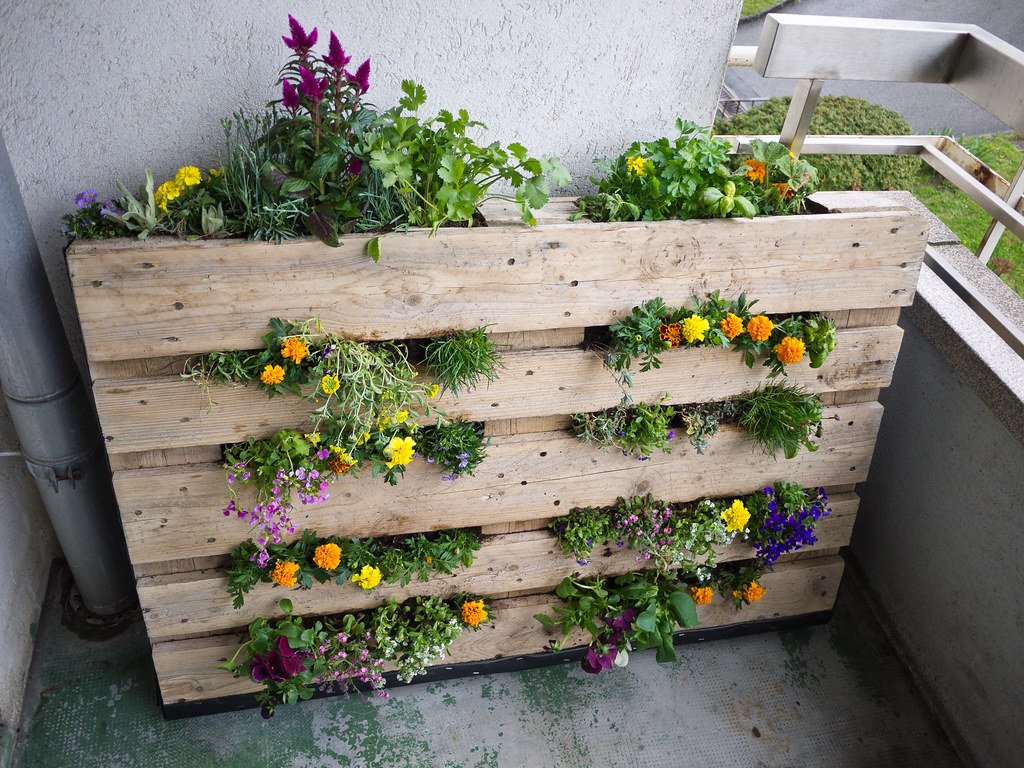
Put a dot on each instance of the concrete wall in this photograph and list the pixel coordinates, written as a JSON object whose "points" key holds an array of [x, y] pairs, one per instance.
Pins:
{"points": [[95, 92], [939, 535]]}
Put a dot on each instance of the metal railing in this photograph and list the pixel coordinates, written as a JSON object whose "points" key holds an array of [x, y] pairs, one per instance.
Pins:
{"points": [[985, 69]]}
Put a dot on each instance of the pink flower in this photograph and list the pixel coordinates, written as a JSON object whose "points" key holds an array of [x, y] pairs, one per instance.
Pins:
{"points": [[336, 58], [361, 79], [299, 42], [289, 96]]}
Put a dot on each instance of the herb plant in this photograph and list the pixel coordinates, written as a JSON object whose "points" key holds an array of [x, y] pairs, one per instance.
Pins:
{"points": [[778, 416], [462, 360], [637, 430], [440, 172], [702, 421], [779, 180]]}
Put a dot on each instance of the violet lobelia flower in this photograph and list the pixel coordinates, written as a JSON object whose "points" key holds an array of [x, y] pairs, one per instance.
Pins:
{"points": [[299, 42], [336, 58], [289, 96], [361, 79], [312, 88], [87, 197]]}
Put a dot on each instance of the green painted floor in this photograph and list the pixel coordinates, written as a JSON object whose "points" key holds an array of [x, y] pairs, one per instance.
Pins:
{"points": [[832, 696]]}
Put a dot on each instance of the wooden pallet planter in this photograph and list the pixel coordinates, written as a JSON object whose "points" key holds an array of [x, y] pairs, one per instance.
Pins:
{"points": [[537, 289]]}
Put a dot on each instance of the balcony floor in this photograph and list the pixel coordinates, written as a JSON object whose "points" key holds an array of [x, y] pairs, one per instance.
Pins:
{"points": [[832, 695]]}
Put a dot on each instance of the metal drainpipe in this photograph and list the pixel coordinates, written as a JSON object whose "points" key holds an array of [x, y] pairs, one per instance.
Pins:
{"points": [[53, 414]]}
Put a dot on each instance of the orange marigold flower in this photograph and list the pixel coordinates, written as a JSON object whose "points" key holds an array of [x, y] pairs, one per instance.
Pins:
{"points": [[760, 328], [339, 465], [784, 191], [272, 374], [701, 595], [672, 333], [751, 592], [731, 325], [295, 350], [327, 556], [284, 573], [790, 350], [757, 171], [473, 613]]}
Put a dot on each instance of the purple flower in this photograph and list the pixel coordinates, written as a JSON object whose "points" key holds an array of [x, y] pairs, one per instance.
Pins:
{"points": [[289, 96], [310, 86], [361, 78], [85, 198], [277, 665], [322, 454], [463, 460], [356, 166], [299, 42], [624, 620], [336, 58], [593, 662]]}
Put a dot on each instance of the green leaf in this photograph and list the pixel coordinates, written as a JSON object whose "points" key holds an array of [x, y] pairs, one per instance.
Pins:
{"points": [[544, 619], [415, 95], [565, 589], [518, 151], [684, 609], [323, 224], [373, 248], [285, 605], [293, 186], [647, 621], [666, 652]]}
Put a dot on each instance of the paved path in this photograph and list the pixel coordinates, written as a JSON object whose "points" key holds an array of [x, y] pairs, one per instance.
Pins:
{"points": [[928, 108]]}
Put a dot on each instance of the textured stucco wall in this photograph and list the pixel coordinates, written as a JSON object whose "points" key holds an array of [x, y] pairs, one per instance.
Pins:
{"points": [[939, 534], [95, 92]]}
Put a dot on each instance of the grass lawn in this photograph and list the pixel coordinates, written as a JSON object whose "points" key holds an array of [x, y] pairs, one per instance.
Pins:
{"points": [[1003, 153], [750, 7]]}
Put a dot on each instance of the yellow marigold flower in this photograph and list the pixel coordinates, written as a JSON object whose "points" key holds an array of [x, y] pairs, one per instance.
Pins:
{"points": [[330, 384], [731, 325], [327, 556], [363, 438], [760, 328], [637, 165], [736, 516], [672, 334], [401, 416], [790, 350], [473, 613], [294, 349], [284, 573], [188, 176], [433, 390], [400, 451], [702, 595], [429, 560], [272, 374], [368, 577], [166, 192], [757, 171], [751, 592], [694, 328], [313, 437]]}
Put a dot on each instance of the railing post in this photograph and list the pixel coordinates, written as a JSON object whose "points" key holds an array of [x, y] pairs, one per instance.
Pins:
{"points": [[801, 110], [995, 229]]}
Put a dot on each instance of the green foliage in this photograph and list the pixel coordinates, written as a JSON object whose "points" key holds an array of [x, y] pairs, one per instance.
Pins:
{"points": [[442, 175], [457, 447], [399, 560], [779, 180], [462, 360], [777, 416], [252, 206], [732, 580], [636, 430], [688, 177], [703, 421], [140, 214], [838, 115], [92, 219], [649, 605]]}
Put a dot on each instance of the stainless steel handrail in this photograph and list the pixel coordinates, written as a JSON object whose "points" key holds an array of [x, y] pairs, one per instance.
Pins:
{"points": [[989, 71]]}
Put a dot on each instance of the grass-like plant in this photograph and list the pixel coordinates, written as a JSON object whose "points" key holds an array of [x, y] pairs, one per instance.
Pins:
{"points": [[457, 446], [462, 360], [778, 416]]}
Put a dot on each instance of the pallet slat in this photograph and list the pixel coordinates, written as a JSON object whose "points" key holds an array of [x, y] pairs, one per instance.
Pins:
{"points": [[182, 604], [186, 669], [173, 512], [191, 297], [149, 414]]}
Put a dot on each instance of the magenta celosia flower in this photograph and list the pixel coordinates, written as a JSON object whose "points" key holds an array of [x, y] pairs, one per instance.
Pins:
{"points": [[355, 167], [310, 86], [299, 42], [289, 96], [361, 78], [336, 58]]}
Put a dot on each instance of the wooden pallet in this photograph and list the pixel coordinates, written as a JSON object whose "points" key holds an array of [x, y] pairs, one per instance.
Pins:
{"points": [[537, 289]]}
